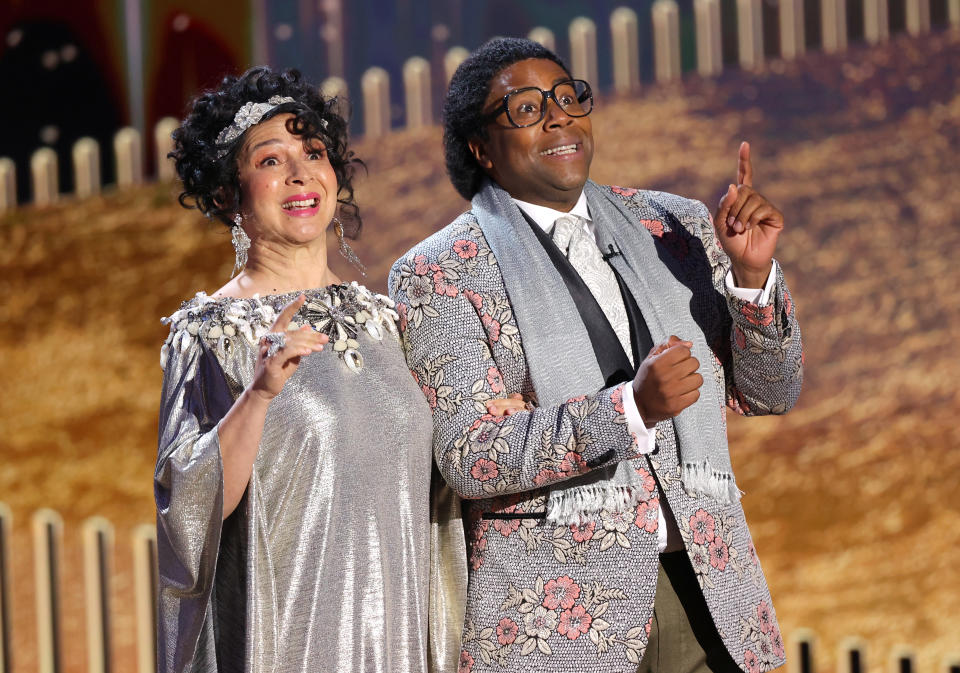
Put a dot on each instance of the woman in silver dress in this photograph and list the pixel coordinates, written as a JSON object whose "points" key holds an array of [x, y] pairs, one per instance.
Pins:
{"points": [[293, 473]]}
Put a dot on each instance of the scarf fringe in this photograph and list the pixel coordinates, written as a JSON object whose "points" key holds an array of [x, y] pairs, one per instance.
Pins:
{"points": [[700, 479], [573, 506]]}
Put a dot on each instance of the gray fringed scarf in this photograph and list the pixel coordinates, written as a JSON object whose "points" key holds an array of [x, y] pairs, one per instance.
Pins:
{"points": [[555, 334]]}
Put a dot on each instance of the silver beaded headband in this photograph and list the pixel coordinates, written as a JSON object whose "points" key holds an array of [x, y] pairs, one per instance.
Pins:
{"points": [[249, 115]]}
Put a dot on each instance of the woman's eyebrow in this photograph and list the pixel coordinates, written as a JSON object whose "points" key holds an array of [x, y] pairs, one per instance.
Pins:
{"points": [[269, 141]]}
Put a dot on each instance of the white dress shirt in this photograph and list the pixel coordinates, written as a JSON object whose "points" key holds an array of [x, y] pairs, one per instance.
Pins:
{"points": [[646, 437]]}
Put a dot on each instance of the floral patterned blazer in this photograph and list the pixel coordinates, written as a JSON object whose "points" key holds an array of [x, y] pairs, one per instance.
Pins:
{"points": [[542, 597]]}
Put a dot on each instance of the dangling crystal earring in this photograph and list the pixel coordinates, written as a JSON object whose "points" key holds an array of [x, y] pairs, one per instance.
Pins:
{"points": [[241, 243], [345, 249]]}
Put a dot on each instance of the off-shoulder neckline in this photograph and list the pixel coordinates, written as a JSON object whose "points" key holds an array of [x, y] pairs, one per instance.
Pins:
{"points": [[292, 294], [342, 311]]}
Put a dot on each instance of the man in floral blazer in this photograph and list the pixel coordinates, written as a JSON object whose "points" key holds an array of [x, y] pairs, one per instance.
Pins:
{"points": [[603, 524]]}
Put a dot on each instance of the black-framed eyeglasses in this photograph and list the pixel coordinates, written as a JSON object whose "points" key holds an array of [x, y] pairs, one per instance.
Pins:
{"points": [[527, 106]]}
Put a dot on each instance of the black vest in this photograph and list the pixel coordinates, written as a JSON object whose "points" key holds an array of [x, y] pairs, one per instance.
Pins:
{"points": [[614, 363]]}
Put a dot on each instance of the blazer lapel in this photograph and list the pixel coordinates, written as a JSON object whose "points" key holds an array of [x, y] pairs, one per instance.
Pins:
{"points": [[556, 343]]}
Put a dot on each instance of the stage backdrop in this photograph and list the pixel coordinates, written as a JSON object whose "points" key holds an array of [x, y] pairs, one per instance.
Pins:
{"points": [[851, 497]]}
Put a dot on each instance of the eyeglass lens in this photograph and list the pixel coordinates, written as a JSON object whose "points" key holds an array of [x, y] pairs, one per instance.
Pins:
{"points": [[526, 106]]}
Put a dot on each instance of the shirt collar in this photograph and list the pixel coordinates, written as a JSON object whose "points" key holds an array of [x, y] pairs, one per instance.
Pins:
{"points": [[545, 217]]}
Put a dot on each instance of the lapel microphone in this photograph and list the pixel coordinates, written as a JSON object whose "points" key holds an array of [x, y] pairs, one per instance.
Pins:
{"points": [[614, 251]]}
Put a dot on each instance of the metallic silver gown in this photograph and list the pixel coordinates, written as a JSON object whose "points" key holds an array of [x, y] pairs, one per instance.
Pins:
{"points": [[324, 565]]}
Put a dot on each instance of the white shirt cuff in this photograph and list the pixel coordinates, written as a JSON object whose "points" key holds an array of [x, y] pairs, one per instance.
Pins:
{"points": [[646, 437], [758, 296]]}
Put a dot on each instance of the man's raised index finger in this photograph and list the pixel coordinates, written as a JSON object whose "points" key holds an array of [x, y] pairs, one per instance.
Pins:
{"points": [[744, 166]]}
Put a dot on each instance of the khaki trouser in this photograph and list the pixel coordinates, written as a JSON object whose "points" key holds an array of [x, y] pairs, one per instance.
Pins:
{"points": [[683, 638]]}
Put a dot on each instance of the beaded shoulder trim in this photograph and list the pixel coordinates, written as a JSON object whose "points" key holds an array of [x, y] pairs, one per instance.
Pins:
{"points": [[341, 312]]}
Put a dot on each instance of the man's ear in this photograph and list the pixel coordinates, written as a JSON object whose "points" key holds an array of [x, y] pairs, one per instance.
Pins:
{"points": [[479, 151]]}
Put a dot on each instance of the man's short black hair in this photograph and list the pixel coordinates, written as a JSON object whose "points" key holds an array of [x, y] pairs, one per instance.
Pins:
{"points": [[463, 106]]}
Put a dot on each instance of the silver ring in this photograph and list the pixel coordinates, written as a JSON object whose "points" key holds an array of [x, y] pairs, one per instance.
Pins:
{"points": [[277, 340]]}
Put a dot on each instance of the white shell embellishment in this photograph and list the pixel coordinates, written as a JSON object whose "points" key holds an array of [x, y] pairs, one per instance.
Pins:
{"points": [[342, 312], [373, 329], [353, 359]]}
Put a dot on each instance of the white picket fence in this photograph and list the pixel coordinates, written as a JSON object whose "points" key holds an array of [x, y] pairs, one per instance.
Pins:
{"points": [[853, 655], [583, 35], [97, 536], [98, 540]]}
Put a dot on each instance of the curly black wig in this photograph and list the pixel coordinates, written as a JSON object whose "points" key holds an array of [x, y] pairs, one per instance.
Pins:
{"points": [[210, 176], [463, 106]]}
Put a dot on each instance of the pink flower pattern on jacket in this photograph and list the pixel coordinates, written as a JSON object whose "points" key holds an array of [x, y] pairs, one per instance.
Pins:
{"points": [[495, 380], [507, 631], [466, 662], [574, 622], [758, 315], [655, 227], [465, 249], [648, 515], [561, 592]]}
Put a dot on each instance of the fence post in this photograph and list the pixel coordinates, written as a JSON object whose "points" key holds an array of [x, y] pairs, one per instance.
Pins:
{"points": [[544, 36], [336, 87], [8, 184], [792, 29], [918, 17], [800, 651], [128, 148], [376, 102], [709, 46], [833, 20], [47, 540], [163, 142], [145, 583], [97, 535], [583, 49], [626, 50], [416, 89], [333, 34], [750, 33], [876, 26], [853, 655], [43, 171], [666, 40], [86, 167], [451, 61], [902, 659], [951, 663], [6, 524]]}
